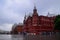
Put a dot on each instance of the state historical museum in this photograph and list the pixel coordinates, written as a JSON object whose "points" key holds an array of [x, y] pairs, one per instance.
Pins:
{"points": [[36, 24]]}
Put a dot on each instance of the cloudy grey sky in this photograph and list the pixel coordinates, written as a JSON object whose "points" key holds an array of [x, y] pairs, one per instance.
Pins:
{"points": [[13, 11]]}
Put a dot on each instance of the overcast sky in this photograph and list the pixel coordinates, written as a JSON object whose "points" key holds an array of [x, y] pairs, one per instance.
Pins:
{"points": [[13, 11]]}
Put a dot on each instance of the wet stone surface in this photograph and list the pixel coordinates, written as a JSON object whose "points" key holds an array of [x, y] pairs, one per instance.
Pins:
{"points": [[11, 37], [29, 37]]}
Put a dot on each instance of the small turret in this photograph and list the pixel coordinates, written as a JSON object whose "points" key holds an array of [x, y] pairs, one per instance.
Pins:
{"points": [[25, 18]]}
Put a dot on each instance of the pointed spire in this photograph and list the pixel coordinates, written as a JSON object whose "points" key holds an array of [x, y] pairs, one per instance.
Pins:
{"points": [[34, 6], [48, 13], [25, 17], [34, 10]]}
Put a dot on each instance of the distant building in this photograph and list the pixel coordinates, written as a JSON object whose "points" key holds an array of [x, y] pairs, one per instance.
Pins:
{"points": [[17, 29], [35, 24]]}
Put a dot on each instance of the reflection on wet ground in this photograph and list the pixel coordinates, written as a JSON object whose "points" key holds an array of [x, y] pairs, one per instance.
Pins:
{"points": [[28, 37], [17, 37], [11, 37]]}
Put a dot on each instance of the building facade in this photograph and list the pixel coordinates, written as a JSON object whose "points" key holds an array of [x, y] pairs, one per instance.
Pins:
{"points": [[37, 24]]}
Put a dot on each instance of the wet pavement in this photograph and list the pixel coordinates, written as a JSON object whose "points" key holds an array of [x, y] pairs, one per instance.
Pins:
{"points": [[11, 37], [29, 37]]}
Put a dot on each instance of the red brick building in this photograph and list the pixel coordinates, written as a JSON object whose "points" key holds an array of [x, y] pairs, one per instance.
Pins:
{"points": [[37, 24]]}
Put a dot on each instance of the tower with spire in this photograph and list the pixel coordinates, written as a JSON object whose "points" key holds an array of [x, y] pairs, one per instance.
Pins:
{"points": [[35, 16], [35, 11]]}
